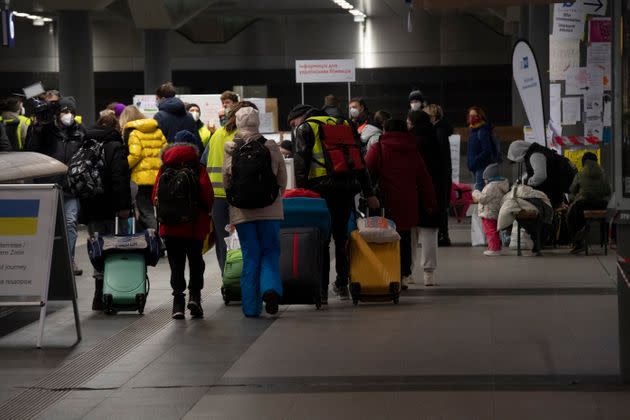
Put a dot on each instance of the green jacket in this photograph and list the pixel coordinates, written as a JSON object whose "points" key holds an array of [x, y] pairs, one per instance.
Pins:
{"points": [[590, 184]]}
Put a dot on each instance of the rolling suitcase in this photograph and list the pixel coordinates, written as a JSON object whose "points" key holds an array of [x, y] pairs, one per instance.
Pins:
{"points": [[301, 266], [306, 212], [231, 288], [125, 281], [374, 270]]}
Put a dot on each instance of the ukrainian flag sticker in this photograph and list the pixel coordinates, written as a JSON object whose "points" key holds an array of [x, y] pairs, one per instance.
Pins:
{"points": [[18, 217]]}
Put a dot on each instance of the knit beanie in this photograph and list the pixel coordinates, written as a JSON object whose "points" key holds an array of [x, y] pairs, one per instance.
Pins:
{"points": [[416, 95], [185, 136], [118, 109], [298, 111], [68, 103], [492, 171], [247, 121]]}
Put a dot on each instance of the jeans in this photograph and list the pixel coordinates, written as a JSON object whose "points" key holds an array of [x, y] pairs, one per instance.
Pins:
{"points": [[405, 253], [260, 244], [146, 214], [340, 205], [221, 218], [71, 208], [492, 235], [479, 182], [178, 250]]}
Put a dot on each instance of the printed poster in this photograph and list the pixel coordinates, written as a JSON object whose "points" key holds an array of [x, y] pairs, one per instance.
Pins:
{"points": [[555, 102], [599, 55], [568, 20], [571, 110], [600, 30], [564, 53]]}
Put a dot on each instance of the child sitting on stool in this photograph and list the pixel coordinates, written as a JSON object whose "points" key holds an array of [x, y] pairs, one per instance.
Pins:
{"points": [[489, 205]]}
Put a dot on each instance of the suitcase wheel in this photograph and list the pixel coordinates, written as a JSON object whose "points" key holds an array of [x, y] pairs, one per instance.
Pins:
{"points": [[109, 304], [396, 299], [226, 297], [141, 300]]}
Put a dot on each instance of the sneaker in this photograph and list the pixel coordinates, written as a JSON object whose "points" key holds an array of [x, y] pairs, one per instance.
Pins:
{"points": [[179, 303], [444, 241], [410, 279], [429, 278], [194, 305], [77, 271], [341, 292], [271, 300], [489, 253]]}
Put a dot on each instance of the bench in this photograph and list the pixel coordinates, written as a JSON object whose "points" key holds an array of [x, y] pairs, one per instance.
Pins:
{"points": [[525, 215], [600, 216]]}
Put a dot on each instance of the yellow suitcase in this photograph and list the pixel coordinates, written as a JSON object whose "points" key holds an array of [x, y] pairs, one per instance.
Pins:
{"points": [[374, 270]]}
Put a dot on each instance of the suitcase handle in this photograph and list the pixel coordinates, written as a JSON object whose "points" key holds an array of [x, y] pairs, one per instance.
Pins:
{"points": [[133, 223]]}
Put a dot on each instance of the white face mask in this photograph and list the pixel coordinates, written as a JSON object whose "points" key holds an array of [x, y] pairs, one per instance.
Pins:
{"points": [[195, 115], [354, 112], [67, 119], [415, 105]]}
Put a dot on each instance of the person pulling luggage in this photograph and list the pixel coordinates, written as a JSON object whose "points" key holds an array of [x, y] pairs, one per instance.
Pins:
{"points": [[254, 175], [183, 197]]}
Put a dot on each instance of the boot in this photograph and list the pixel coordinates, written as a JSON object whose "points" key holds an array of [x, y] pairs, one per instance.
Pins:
{"points": [[179, 305], [97, 302], [271, 299], [194, 304]]}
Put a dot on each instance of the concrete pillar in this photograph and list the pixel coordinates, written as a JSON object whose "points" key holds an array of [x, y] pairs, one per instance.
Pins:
{"points": [[157, 60], [76, 61]]}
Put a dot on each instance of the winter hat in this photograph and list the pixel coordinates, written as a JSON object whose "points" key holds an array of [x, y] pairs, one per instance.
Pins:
{"points": [[185, 136], [298, 111], [492, 171], [517, 150], [68, 103], [416, 95], [247, 121], [589, 156], [118, 109]]}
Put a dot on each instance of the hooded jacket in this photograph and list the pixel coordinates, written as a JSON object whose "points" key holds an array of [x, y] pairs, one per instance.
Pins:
{"points": [[145, 141], [185, 153], [247, 123], [404, 181], [117, 194], [590, 183], [490, 198], [172, 117], [370, 136]]}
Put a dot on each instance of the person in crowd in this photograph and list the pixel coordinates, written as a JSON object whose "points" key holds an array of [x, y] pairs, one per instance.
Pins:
{"points": [[258, 229], [229, 100], [338, 192], [359, 114], [331, 106], [213, 160], [419, 123], [99, 212], [61, 139], [52, 96], [116, 107], [204, 132], [185, 240], [374, 129], [545, 170], [145, 141], [416, 100], [443, 131], [172, 116], [490, 200], [590, 190], [286, 148], [481, 147], [5, 144], [15, 123], [404, 184]]}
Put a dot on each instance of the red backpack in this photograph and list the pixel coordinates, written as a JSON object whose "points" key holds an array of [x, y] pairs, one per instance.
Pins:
{"points": [[342, 152]]}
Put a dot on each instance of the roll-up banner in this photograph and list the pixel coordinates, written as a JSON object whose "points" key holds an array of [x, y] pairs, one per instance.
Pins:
{"points": [[527, 79]]}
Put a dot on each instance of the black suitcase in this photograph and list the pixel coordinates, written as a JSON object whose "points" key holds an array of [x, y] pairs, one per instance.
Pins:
{"points": [[301, 266]]}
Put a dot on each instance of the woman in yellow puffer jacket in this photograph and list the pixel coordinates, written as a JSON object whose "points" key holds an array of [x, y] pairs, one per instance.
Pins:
{"points": [[145, 141]]}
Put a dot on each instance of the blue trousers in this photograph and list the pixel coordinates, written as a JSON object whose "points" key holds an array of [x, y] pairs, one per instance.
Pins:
{"points": [[71, 208], [260, 244]]}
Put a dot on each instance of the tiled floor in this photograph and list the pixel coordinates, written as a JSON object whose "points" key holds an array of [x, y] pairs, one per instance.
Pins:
{"points": [[502, 338]]}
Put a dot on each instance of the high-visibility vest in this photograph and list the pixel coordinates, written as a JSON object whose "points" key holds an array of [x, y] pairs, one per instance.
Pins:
{"points": [[215, 159], [205, 135], [18, 127], [318, 163]]}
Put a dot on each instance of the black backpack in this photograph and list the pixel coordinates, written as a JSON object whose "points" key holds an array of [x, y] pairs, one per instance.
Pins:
{"points": [[86, 169], [253, 184], [177, 198]]}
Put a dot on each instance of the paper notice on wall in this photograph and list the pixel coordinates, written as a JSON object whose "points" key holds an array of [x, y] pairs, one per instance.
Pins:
{"points": [[568, 20], [600, 30], [599, 55], [594, 7], [260, 103], [146, 104], [607, 112], [593, 127], [555, 102], [564, 53], [577, 81], [528, 134], [593, 104], [266, 122], [571, 109], [455, 140]]}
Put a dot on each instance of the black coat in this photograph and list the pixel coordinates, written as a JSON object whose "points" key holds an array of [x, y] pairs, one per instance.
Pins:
{"points": [[5, 144], [431, 153], [116, 179], [173, 117], [58, 142], [443, 131]]}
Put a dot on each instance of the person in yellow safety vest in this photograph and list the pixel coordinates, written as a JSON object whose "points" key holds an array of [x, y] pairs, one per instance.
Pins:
{"points": [[339, 193], [214, 163], [15, 124], [205, 132]]}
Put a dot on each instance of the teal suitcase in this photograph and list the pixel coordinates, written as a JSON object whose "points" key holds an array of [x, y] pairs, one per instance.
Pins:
{"points": [[125, 284], [231, 289]]}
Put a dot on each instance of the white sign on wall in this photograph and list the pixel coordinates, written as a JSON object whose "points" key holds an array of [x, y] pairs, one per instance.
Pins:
{"points": [[325, 71], [527, 79], [455, 141], [568, 20]]}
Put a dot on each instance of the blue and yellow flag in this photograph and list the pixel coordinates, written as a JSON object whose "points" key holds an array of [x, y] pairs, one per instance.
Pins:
{"points": [[18, 217]]}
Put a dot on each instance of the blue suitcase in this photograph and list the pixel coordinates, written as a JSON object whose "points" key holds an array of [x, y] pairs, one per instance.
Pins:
{"points": [[302, 212]]}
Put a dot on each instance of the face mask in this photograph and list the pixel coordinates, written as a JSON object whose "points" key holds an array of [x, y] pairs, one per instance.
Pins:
{"points": [[67, 119], [195, 115], [354, 112], [415, 106], [227, 111], [474, 120]]}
